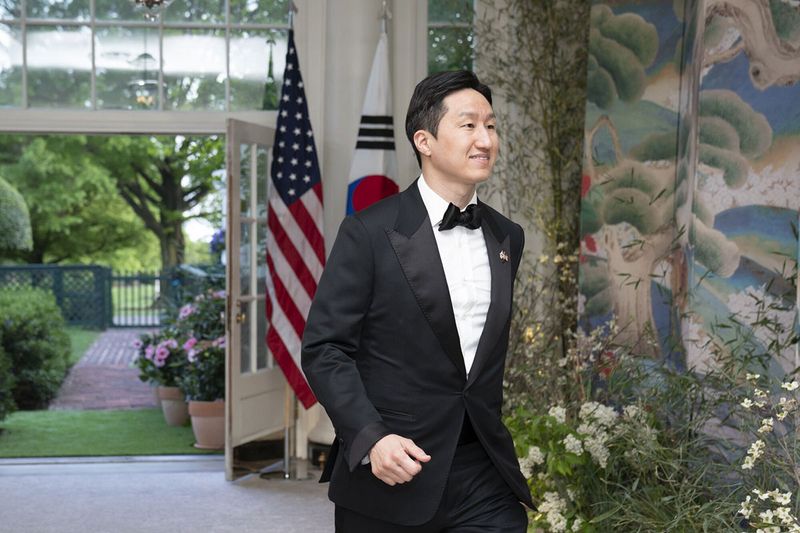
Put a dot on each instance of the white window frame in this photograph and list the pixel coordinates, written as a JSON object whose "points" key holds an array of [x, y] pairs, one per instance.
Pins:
{"points": [[309, 25]]}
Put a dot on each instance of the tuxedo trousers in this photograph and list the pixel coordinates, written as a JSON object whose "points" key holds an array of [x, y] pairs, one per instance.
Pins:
{"points": [[476, 499]]}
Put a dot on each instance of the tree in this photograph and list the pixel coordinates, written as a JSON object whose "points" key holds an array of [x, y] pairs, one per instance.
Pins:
{"points": [[75, 211], [161, 179], [634, 207], [15, 224]]}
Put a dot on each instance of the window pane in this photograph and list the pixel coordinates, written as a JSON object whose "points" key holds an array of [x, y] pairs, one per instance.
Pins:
{"points": [[255, 84], [450, 11], [10, 9], [59, 9], [59, 66], [449, 49], [118, 10], [194, 69], [10, 65], [127, 68], [195, 11], [260, 11]]}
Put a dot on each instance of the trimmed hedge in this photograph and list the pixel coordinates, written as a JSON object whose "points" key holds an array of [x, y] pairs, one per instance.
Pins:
{"points": [[34, 338], [6, 385]]}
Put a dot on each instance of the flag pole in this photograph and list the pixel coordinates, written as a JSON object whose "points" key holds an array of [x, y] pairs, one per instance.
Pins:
{"points": [[292, 12], [386, 15]]}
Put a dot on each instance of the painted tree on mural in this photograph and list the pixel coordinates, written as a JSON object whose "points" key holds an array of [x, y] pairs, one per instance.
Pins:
{"points": [[620, 48], [767, 31], [633, 204]]}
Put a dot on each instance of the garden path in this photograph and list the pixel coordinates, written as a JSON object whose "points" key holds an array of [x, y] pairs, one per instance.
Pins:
{"points": [[104, 377]]}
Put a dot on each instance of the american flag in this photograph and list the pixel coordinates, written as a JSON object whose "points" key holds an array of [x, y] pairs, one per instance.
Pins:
{"points": [[295, 242]]}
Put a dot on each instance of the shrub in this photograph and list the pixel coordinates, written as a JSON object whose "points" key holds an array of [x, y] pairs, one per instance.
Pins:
{"points": [[161, 358], [15, 223], [35, 340], [6, 385]]}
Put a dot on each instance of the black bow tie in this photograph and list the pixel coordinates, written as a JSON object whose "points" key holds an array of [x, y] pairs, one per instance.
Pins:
{"points": [[470, 218]]}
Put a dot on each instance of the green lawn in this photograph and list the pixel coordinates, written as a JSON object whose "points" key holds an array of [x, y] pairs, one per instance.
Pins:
{"points": [[81, 339], [93, 433]]}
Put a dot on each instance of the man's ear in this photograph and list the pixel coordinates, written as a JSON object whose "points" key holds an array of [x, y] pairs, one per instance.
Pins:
{"points": [[421, 141]]}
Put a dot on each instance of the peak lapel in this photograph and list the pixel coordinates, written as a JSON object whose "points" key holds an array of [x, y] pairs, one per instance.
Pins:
{"points": [[415, 246], [498, 249]]}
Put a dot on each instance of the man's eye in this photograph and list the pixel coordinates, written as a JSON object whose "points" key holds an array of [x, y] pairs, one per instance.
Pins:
{"points": [[469, 125], [492, 126]]}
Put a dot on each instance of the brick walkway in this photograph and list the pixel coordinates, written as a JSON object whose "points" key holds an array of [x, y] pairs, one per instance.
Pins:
{"points": [[104, 377]]}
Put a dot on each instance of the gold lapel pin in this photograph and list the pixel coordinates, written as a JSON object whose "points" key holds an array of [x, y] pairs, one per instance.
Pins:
{"points": [[503, 256]]}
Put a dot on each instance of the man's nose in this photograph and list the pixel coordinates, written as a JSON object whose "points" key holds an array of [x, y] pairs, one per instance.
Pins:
{"points": [[484, 138]]}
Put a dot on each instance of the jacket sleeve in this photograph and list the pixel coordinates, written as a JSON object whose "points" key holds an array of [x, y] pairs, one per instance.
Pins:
{"points": [[332, 338]]}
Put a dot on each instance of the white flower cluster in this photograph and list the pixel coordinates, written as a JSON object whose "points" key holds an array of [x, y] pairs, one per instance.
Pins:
{"points": [[573, 445], [756, 450], [596, 421], [559, 413], [777, 517], [554, 507], [534, 457]]}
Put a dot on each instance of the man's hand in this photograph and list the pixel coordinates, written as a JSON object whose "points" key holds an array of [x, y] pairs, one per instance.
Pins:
{"points": [[396, 459]]}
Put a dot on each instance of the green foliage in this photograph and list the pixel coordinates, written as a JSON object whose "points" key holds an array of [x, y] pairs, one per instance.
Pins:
{"points": [[755, 133], [600, 85], [786, 19], [15, 224], [75, 211], [621, 64], [161, 179], [7, 404], [35, 340], [734, 167], [621, 47], [713, 249], [630, 31], [634, 207], [656, 147], [717, 132]]}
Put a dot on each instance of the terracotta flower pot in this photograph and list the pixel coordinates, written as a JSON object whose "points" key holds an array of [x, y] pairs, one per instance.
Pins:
{"points": [[173, 405], [208, 424]]}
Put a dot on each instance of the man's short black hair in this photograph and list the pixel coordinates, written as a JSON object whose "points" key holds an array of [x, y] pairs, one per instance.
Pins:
{"points": [[427, 108]]}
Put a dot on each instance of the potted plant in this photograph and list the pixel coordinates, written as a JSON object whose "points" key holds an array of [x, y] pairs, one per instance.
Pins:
{"points": [[203, 376], [203, 383], [161, 361]]}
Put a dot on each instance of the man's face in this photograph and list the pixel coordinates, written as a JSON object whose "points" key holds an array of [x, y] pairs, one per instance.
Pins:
{"points": [[466, 145]]}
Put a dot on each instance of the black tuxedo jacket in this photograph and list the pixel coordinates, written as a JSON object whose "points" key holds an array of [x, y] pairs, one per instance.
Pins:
{"points": [[381, 352]]}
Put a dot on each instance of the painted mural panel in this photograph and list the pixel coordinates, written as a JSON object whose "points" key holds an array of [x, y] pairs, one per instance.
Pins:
{"points": [[748, 177], [692, 170]]}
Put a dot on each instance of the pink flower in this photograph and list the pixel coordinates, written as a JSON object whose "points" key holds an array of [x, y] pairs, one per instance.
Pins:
{"points": [[170, 343], [162, 353], [149, 352], [219, 294], [185, 311], [191, 356], [188, 345], [220, 341], [137, 344], [159, 362]]}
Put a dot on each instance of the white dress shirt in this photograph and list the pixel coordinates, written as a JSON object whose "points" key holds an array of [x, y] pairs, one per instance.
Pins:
{"points": [[466, 268]]}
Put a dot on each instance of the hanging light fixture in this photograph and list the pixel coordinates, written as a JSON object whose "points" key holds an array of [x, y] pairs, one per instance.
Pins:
{"points": [[152, 8]]}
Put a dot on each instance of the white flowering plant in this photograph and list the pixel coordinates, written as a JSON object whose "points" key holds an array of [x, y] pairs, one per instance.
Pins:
{"points": [[563, 456], [767, 417]]}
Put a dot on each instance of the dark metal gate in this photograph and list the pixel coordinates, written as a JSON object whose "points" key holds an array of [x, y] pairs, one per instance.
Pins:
{"points": [[81, 291]]}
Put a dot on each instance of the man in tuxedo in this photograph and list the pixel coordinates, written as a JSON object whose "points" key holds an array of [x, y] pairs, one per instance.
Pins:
{"points": [[406, 339]]}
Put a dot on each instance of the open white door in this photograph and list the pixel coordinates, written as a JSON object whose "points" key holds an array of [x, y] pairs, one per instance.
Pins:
{"points": [[256, 389]]}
